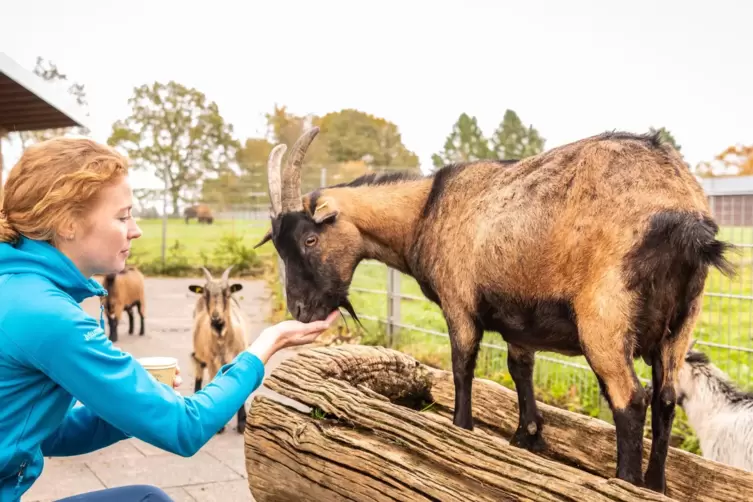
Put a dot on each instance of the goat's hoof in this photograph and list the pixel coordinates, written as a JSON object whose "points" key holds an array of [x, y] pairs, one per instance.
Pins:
{"points": [[531, 442], [240, 428], [655, 481]]}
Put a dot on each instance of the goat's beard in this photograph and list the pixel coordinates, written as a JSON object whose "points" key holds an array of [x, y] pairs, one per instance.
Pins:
{"points": [[345, 303]]}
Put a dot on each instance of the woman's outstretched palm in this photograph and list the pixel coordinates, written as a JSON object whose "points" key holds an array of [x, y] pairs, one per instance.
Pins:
{"points": [[293, 333]]}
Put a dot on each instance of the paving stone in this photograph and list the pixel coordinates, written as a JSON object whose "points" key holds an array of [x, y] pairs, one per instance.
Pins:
{"points": [[221, 492], [164, 471], [60, 480], [179, 494]]}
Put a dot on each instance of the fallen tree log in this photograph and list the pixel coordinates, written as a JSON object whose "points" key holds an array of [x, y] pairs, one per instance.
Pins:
{"points": [[367, 439]]}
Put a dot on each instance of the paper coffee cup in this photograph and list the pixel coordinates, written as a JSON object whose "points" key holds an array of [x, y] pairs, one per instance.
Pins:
{"points": [[163, 369]]}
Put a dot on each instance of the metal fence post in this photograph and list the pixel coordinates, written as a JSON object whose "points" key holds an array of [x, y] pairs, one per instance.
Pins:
{"points": [[393, 304]]}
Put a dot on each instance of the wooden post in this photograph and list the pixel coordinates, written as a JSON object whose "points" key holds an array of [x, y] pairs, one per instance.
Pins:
{"points": [[393, 305], [381, 429]]}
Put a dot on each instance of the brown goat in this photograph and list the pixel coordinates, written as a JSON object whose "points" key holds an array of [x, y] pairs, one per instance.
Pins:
{"points": [[219, 330], [599, 247], [201, 212], [125, 290]]}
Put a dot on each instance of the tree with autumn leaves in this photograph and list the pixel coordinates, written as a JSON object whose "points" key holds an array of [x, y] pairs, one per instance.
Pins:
{"points": [[180, 136]]}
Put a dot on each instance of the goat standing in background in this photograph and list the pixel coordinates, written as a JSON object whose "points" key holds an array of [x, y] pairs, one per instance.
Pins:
{"points": [[125, 290], [719, 412], [219, 330], [599, 247]]}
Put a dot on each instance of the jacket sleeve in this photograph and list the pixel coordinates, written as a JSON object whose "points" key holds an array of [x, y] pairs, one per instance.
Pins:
{"points": [[81, 432], [70, 347]]}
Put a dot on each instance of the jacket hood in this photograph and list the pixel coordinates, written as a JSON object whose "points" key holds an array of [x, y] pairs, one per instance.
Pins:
{"points": [[29, 256]]}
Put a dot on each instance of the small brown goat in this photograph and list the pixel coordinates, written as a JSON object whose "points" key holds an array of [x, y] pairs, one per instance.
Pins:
{"points": [[599, 247], [125, 290], [201, 212], [219, 330]]}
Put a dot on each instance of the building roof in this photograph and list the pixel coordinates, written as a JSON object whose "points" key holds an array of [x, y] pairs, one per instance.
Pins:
{"points": [[727, 185], [29, 103]]}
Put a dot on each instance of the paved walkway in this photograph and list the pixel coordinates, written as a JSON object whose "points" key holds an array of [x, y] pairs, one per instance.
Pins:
{"points": [[217, 471]]}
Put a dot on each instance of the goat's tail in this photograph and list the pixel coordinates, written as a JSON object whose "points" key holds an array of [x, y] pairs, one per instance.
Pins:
{"points": [[668, 270], [688, 240]]}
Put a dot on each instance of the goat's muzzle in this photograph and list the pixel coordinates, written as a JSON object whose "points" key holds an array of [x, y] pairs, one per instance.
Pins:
{"points": [[217, 323]]}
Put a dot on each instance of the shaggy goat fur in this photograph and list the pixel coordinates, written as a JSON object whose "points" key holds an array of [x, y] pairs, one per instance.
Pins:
{"points": [[599, 247], [219, 330], [125, 290], [719, 412]]}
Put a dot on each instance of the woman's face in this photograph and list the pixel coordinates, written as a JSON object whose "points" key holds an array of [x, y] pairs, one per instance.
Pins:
{"points": [[101, 244]]}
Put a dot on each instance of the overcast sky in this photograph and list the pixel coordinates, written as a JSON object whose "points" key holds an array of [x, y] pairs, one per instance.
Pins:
{"points": [[572, 69]]}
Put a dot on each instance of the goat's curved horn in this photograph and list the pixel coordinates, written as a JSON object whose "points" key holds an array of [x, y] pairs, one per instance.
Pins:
{"points": [[226, 273], [291, 176], [274, 181], [207, 274]]}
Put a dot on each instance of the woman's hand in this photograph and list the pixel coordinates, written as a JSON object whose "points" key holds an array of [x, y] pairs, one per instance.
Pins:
{"points": [[288, 334], [177, 381]]}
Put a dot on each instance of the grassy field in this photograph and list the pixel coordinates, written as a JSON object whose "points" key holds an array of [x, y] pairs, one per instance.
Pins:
{"points": [[196, 237], [189, 246]]}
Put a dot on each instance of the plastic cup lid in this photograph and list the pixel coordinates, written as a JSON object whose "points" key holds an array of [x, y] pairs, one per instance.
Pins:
{"points": [[158, 362]]}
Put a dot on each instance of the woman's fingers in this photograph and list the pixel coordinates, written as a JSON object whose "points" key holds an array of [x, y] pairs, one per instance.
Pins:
{"points": [[322, 325]]}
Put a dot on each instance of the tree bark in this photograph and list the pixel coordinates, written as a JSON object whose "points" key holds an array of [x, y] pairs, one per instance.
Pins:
{"points": [[376, 444]]}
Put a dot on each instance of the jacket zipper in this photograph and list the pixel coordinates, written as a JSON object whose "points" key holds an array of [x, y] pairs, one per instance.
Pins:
{"points": [[21, 473]]}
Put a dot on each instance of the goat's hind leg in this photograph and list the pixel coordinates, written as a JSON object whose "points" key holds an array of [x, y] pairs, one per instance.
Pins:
{"points": [[665, 365], [603, 326], [520, 362], [141, 309], [129, 311]]}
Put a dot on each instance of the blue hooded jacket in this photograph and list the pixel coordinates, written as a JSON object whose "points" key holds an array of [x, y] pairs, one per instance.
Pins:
{"points": [[52, 353]]}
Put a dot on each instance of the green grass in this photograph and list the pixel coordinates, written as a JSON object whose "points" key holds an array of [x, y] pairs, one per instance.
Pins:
{"points": [[196, 237], [189, 246]]}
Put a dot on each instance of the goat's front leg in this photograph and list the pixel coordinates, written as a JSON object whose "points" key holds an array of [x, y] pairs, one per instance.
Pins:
{"points": [[241, 426], [465, 338], [520, 362], [198, 371]]}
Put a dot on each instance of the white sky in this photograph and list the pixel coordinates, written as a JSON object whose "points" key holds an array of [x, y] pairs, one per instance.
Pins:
{"points": [[572, 69]]}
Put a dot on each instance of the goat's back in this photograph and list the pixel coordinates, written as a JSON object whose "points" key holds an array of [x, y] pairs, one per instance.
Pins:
{"points": [[546, 223]]}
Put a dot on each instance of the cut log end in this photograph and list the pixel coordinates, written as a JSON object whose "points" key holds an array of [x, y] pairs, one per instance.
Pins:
{"points": [[382, 430]]}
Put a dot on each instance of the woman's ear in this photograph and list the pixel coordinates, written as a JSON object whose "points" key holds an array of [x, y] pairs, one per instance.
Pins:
{"points": [[67, 230]]}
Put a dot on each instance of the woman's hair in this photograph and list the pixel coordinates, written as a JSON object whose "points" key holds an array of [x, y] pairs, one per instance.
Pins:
{"points": [[54, 183]]}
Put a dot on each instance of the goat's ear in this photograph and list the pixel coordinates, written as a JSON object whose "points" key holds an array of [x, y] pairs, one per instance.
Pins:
{"points": [[267, 237], [195, 289], [235, 287], [326, 211]]}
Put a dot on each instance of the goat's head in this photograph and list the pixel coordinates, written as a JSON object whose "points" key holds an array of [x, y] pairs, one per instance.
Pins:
{"points": [[215, 296], [319, 248], [697, 376]]}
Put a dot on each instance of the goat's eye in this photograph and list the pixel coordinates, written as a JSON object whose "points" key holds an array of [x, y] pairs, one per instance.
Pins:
{"points": [[311, 240]]}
